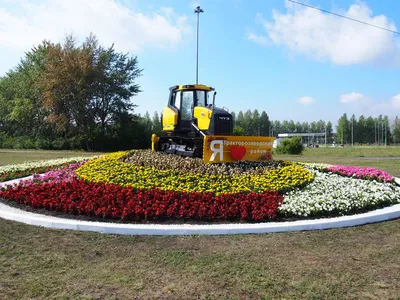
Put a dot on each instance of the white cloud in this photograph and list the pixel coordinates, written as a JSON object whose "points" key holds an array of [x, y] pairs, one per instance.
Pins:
{"points": [[112, 22], [352, 98], [306, 100], [359, 104], [326, 37], [395, 101], [259, 39]]}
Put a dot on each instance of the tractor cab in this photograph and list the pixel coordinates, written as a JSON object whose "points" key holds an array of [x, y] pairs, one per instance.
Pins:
{"points": [[186, 104]]}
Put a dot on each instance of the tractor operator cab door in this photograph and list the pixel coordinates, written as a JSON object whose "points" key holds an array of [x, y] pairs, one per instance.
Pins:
{"points": [[184, 102]]}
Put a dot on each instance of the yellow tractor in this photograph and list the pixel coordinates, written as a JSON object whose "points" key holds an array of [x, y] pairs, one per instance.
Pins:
{"points": [[193, 126]]}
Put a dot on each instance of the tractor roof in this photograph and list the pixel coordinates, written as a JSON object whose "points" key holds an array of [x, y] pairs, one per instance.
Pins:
{"points": [[191, 87]]}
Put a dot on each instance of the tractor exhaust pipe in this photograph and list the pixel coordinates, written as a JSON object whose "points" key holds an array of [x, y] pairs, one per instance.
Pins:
{"points": [[215, 93]]}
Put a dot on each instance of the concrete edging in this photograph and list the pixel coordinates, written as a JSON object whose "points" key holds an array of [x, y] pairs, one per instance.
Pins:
{"points": [[15, 214]]}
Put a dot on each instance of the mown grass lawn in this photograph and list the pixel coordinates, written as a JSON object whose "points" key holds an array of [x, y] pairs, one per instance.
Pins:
{"points": [[9, 156], [356, 151], [351, 263], [382, 158], [390, 165]]}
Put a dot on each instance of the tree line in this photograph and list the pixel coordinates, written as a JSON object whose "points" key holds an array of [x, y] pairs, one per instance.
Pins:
{"points": [[368, 130], [364, 130]]}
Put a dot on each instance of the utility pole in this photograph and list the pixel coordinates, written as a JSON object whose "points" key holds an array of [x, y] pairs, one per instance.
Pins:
{"points": [[197, 11]]}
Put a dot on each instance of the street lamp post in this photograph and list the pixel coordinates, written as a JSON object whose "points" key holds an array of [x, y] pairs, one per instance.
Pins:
{"points": [[197, 11]]}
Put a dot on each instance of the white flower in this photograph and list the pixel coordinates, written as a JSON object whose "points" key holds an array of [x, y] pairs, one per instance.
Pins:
{"points": [[40, 164], [330, 192]]}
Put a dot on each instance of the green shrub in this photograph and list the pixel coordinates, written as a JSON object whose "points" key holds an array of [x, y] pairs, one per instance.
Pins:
{"points": [[291, 146], [237, 130]]}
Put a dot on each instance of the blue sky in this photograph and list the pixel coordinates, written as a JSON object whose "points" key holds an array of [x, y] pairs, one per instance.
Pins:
{"points": [[293, 62]]}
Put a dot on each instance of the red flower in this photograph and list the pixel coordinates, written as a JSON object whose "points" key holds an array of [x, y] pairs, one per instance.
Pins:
{"points": [[113, 201]]}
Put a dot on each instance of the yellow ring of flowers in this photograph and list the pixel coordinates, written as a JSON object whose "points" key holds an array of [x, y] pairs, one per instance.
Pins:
{"points": [[110, 169]]}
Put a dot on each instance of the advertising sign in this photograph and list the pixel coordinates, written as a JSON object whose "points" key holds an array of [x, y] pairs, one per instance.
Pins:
{"points": [[219, 149]]}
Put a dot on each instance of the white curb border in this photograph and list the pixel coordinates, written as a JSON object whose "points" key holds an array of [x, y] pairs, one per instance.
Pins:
{"points": [[15, 214]]}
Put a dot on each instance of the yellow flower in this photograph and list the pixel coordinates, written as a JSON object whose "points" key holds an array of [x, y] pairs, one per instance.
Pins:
{"points": [[111, 169]]}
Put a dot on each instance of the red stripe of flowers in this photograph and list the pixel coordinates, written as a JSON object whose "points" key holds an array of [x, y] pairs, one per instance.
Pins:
{"points": [[113, 201]]}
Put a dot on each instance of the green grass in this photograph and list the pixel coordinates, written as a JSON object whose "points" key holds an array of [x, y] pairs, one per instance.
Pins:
{"points": [[356, 151], [387, 159], [351, 263], [19, 156], [359, 263], [390, 165]]}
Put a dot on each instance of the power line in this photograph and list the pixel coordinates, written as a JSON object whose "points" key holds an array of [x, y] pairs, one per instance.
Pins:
{"points": [[355, 20]]}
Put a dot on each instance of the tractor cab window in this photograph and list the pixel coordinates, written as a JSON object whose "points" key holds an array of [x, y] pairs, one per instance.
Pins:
{"points": [[176, 100], [187, 105], [201, 98]]}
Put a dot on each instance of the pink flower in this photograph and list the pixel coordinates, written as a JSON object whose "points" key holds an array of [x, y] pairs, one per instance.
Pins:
{"points": [[361, 173]]}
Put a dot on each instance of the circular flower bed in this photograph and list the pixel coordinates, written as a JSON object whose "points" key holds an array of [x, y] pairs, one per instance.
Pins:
{"points": [[142, 185]]}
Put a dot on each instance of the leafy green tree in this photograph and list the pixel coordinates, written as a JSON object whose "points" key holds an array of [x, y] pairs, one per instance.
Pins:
{"points": [[21, 106], [67, 90], [156, 126], [234, 117], [298, 127], [342, 129], [264, 124], [329, 132], [321, 126], [370, 128], [396, 130], [285, 127], [68, 96], [113, 82], [314, 127], [277, 128], [256, 123], [361, 132], [239, 118], [353, 129], [87, 89], [292, 126], [306, 127], [248, 123]]}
